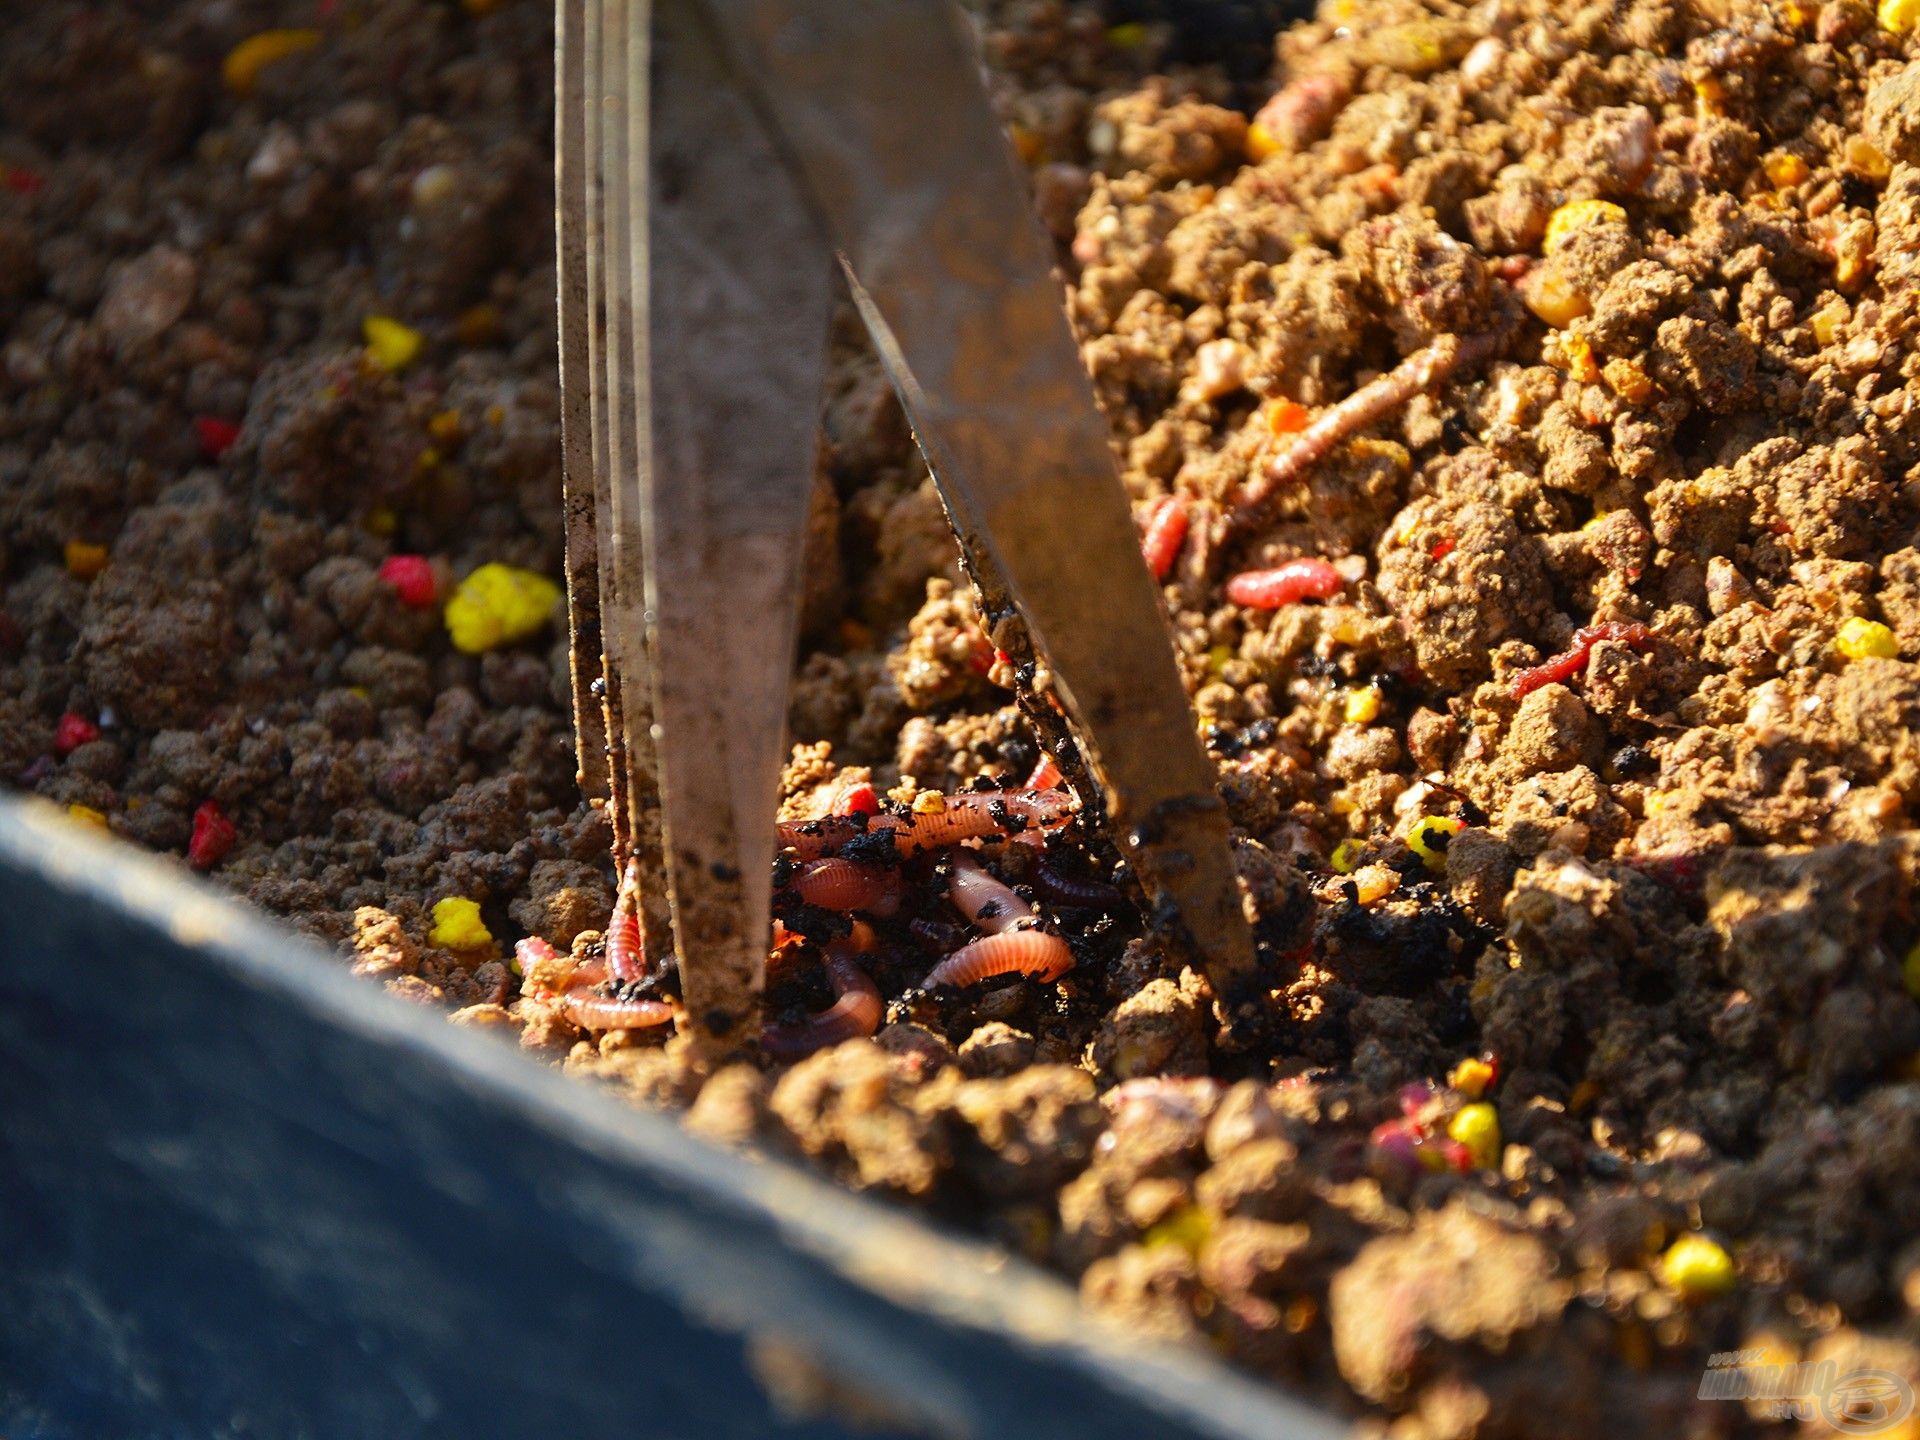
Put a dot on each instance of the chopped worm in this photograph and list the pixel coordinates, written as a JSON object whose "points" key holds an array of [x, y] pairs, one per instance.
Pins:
{"points": [[1573, 659], [1166, 532], [834, 884], [963, 817], [854, 1014], [1284, 584], [1029, 952], [1366, 406]]}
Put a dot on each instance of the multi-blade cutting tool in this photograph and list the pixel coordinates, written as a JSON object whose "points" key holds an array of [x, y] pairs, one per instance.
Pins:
{"points": [[722, 167]]}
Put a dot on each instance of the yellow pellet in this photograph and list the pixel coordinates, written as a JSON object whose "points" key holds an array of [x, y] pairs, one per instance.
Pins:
{"points": [[391, 345], [1346, 856], [1375, 882], [1575, 213], [87, 815], [1910, 972], [929, 802], [1827, 324], [457, 925], [1477, 1127], [1430, 837], [1363, 706], [1710, 97], [1786, 169], [1471, 1077], [1860, 638], [1188, 1227], [498, 604], [381, 521], [1898, 17], [84, 560], [1580, 362], [1261, 143], [242, 67], [1554, 297], [1697, 1269], [1128, 36]]}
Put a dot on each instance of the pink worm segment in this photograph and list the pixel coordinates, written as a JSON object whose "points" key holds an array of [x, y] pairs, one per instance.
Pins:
{"points": [[1283, 585], [1366, 406], [1029, 952], [1166, 532], [984, 900], [1011, 943], [848, 885], [965, 817], [1571, 661], [589, 1011], [626, 951], [854, 1014]]}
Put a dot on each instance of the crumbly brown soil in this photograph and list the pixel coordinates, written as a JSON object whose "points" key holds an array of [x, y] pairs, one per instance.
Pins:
{"points": [[1678, 913]]}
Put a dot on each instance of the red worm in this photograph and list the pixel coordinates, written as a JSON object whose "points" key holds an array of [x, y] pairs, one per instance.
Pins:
{"points": [[1080, 894], [848, 885], [1045, 776], [965, 817], [1295, 580], [1166, 532], [1573, 659], [1366, 406], [1029, 952], [626, 952], [854, 1014], [983, 899], [589, 1011], [600, 1012]]}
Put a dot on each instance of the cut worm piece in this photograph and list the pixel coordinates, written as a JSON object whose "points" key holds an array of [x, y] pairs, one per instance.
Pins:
{"points": [[1367, 406], [1285, 584]]}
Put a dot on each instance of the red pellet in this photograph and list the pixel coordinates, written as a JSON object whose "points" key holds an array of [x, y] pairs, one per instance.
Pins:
{"points": [[213, 837], [1442, 548], [216, 435], [859, 799], [72, 732], [1284, 584], [411, 577], [20, 180], [1166, 532], [1573, 659]]}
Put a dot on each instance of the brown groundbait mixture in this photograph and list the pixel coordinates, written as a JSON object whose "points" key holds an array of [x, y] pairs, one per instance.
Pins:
{"points": [[1677, 911]]}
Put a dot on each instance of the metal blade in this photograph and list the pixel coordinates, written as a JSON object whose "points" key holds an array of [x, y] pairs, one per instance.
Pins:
{"points": [[633, 763], [734, 282], [571, 164], [879, 104]]}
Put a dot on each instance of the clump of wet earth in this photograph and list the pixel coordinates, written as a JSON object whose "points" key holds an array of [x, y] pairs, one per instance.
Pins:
{"points": [[1569, 971]]}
